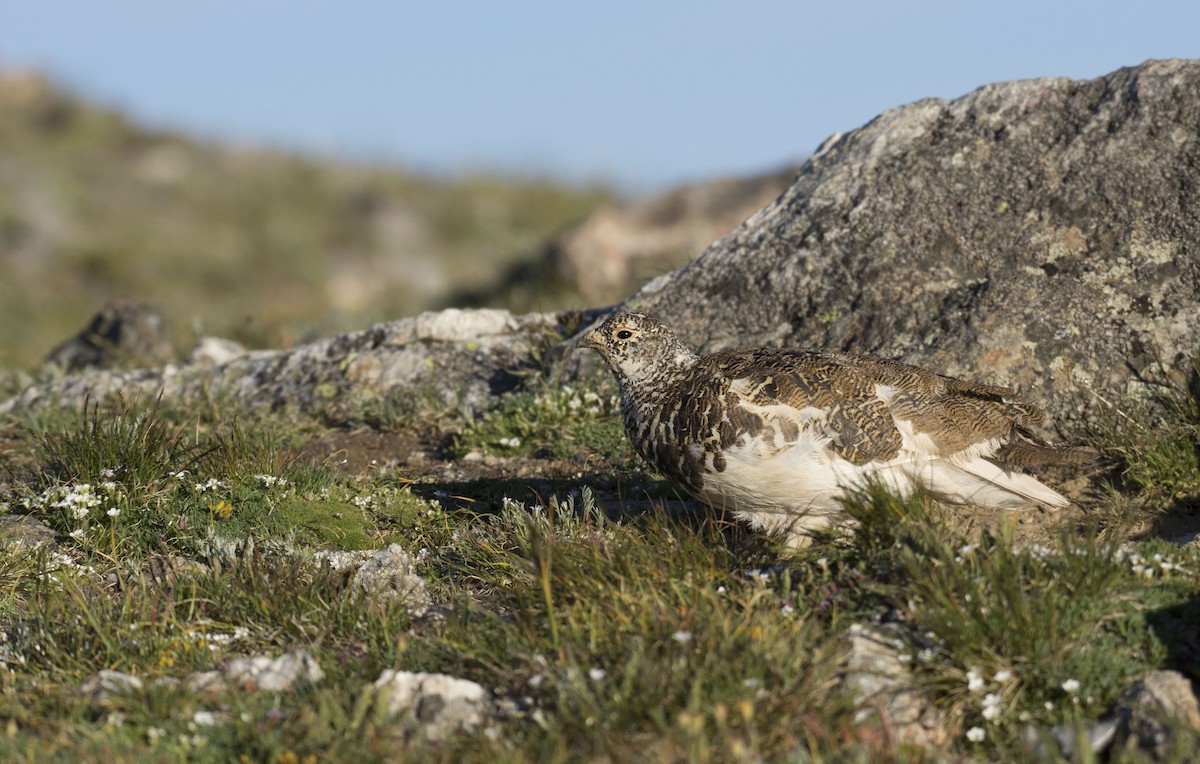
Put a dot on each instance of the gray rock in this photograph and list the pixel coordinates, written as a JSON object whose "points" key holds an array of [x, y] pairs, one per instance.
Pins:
{"points": [[26, 531], [465, 356], [206, 682], [438, 704], [388, 576], [886, 692], [124, 333], [107, 684], [280, 674], [1151, 711], [1042, 234]]}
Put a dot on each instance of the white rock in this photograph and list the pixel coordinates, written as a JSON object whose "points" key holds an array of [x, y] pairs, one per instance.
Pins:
{"points": [[886, 691], [441, 705], [273, 674], [215, 350], [388, 575], [107, 684]]}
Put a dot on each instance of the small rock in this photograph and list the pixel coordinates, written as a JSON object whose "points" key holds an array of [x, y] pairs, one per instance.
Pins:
{"points": [[1151, 709], [887, 692], [273, 674], [388, 575], [25, 531], [206, 682], [1062, 740], [107, 684], [123, 334], [441, 705], [168, 568], [215, 351]]}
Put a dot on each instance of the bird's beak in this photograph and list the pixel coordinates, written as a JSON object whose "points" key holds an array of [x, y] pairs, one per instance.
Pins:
{"points": [[589, 340]]}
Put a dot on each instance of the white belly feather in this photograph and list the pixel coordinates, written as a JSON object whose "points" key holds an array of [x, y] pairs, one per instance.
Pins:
{"points": [[797, 486]]}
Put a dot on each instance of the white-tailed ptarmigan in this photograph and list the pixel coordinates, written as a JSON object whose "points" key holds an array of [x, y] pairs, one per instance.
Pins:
{"points": [[778, 436]]}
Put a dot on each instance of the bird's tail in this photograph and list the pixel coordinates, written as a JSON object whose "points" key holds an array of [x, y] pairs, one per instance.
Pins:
{"points": [[1020, 488]]}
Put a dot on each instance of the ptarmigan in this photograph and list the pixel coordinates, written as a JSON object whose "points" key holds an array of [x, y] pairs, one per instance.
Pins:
{"points": [[778, 436]]}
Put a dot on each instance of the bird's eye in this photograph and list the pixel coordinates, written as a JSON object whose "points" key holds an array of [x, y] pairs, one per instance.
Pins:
{"points": [[623, 334]]}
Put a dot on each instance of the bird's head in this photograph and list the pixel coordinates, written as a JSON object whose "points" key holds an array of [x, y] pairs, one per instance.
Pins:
{"points": [[638, 347]]}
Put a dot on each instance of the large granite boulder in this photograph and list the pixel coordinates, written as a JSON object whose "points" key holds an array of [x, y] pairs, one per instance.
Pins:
{"points": [[1043, 234]]}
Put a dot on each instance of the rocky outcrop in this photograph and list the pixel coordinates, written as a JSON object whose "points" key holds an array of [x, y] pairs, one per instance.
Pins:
{"points": [[464, 356], [1042, 234]]}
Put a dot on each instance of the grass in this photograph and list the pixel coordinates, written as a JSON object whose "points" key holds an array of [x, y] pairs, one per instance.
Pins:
{"points": [[657, 637], [550, 421], [1157, 438]]}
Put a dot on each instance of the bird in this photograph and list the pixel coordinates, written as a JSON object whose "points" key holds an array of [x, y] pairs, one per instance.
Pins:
{"points": [[781, 437]]}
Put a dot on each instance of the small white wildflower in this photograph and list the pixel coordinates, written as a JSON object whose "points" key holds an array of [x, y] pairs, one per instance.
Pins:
{"points": [[109, 486], [1002, 676], [155, 734], [682, 636], [205, 718], [597, 674], [1071, 686], [1048, 706], [113, 512], [209, 485], [76, 534], [721, 590], [108, 473], [975, 682], [991, 707], [752, 683], [967, 549], [976, 734]]}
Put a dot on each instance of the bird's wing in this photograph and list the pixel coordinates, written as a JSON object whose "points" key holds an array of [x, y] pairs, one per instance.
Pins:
{"points": [[816, 392]]}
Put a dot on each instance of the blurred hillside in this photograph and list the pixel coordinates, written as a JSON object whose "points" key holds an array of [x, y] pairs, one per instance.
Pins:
{"points": [[261, 246]]}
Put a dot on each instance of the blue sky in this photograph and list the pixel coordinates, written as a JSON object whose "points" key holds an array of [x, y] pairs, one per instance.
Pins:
{"points": [[642, 94]]}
